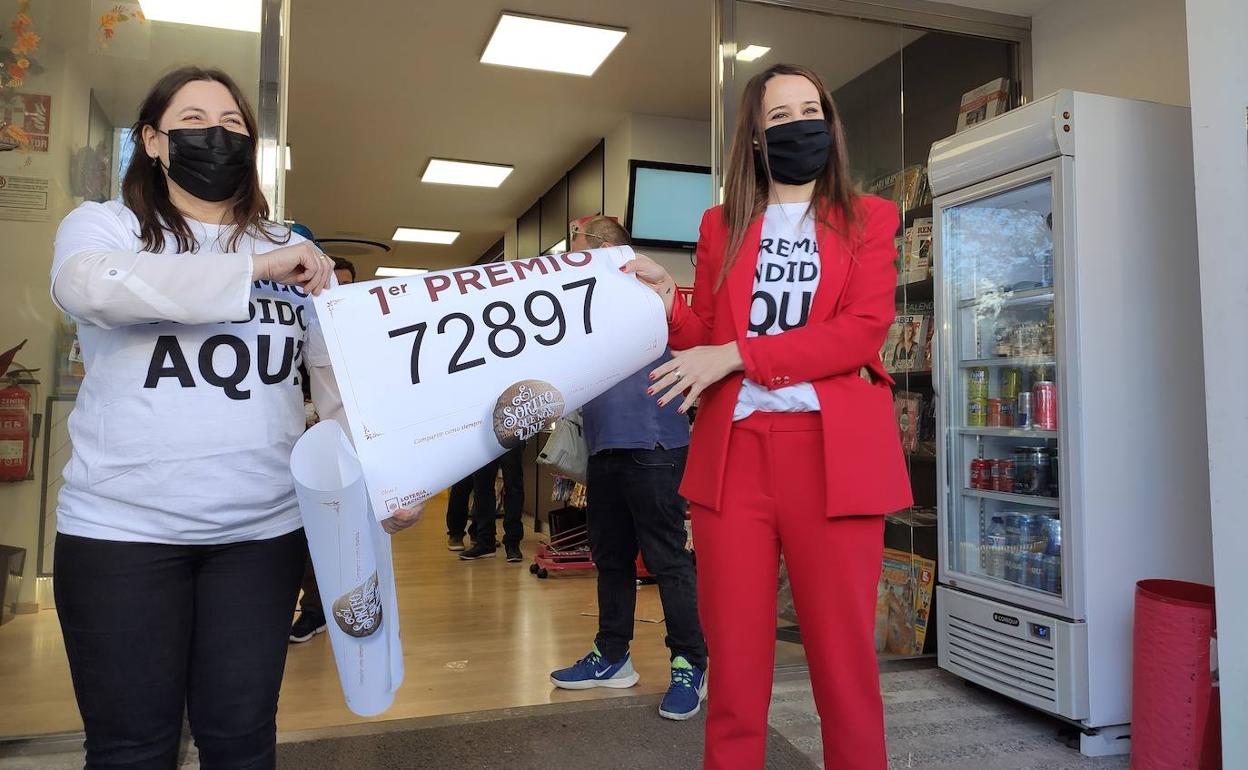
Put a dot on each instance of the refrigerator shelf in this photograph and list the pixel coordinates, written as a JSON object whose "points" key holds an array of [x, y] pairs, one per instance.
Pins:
{"points": [[1040, 296], [1008, 433], [1016, 363], [1005, 497]]}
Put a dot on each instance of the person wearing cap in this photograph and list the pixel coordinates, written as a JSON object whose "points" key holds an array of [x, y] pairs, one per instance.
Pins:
{"points": [[637, 457]]}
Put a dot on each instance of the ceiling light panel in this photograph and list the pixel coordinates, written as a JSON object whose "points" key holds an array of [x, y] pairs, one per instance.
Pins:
{"points": [[460, 172], [550, 45], [752, 52], [241, 15], [422, 235]]}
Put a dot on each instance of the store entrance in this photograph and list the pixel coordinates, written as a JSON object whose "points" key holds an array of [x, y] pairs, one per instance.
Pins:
{"points": [[355, 108]]}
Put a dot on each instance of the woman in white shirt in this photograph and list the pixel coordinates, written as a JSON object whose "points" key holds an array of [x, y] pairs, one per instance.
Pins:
{"points": [[179, 545]]}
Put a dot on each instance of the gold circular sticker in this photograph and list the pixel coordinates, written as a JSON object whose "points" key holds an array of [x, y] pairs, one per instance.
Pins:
{"points": [[358, 612], [524, 410]]}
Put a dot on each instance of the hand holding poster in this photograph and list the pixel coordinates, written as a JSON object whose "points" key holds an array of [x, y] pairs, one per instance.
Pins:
{"points": [[441, 373]]}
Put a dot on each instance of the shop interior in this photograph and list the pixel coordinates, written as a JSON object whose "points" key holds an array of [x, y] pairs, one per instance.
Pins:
{"points": [[355, 101]]}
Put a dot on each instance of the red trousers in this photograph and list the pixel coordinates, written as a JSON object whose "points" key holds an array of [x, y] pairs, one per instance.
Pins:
{"points": [[774, 502]]}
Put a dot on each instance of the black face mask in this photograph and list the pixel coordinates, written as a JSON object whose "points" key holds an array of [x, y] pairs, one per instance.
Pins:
{"points": [[797, 152], [210, 163]]}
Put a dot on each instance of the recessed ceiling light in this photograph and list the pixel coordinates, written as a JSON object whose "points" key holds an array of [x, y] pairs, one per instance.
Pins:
{"points": [[421, 235], [398, 272], [242, 15], [441, 171], [752, 52], [550, 45]]}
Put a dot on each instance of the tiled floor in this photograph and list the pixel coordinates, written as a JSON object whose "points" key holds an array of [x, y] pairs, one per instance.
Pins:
{"points": [[936, 721]]}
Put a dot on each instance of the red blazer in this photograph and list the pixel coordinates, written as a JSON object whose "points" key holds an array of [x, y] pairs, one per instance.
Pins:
{"points": [[849, 320]]}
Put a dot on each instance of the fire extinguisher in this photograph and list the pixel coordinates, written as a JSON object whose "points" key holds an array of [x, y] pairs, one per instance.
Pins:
{"points": [[16, 414]]}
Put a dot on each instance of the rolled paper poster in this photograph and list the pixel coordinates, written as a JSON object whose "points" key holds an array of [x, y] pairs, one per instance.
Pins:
{"points": [[354, 567]]}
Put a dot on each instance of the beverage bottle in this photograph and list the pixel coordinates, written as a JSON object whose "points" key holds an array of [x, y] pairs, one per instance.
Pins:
{"points": [[995, 545]]}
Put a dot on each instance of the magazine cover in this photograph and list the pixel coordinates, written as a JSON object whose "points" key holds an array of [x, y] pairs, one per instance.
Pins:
{"points": [[903, 603], [894, 605], [903, 350], [917, 247], [988, 101], [924, 582], [929, 347], [908, 408], [909, 191]]}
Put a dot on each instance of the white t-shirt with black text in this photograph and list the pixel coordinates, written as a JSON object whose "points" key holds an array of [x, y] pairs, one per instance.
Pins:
{"points": [[785, 279], [182, 432]]}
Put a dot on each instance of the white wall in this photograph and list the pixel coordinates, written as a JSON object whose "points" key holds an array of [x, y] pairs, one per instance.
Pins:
{"points": [[26, 258], [1131, 48], [663, 140], [1219, 90]]}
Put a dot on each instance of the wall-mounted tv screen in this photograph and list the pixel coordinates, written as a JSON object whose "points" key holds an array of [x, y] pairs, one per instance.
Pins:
{"points": [[666, 202]]}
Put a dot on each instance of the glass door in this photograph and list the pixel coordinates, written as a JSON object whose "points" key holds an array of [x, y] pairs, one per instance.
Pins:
{"points": [[1004, 520]]}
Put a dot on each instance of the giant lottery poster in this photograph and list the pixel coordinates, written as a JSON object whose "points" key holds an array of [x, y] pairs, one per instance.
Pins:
{"points": [[442, 372]]}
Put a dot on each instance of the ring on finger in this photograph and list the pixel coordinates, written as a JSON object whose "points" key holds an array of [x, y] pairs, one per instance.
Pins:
{"points": [[678, 375]]}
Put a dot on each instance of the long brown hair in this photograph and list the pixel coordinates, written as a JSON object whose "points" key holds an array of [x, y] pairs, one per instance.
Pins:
{"points": [[145, 190], [746, 191]]}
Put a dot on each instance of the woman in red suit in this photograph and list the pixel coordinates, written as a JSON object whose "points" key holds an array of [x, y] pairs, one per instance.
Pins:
{"points": [[794, 449]]}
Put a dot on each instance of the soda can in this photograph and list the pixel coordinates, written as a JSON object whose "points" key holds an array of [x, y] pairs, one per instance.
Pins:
{"points": [[978, 466], [1052, 574], [1052, 535], [1022, 411], [977, 382], [976, 413], [1010, 384], [1007, 413], [993, 419], [1054, 474], [1016, 566], [1044, 405], [994, 474], [1035, 570], [1005, 476]]}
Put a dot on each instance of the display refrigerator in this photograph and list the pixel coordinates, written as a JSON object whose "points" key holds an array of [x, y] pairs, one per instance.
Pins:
{"points": [[1071, 449]]}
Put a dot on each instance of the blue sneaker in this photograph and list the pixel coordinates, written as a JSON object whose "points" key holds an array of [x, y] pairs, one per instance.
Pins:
{"points": [[594, 671], [686, 693]]}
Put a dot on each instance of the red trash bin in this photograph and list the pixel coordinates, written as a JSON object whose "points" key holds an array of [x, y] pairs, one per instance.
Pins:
{"points": [[1171, 683]]}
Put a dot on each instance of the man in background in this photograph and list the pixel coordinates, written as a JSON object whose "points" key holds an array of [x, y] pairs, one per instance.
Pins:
{"points": [[480, 485], [637, 458], [311, 620]]}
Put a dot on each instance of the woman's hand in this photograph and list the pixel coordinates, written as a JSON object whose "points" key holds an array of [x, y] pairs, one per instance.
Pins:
{"points": [[655, 276], [301, 264], [402, 519], [692, 371]]}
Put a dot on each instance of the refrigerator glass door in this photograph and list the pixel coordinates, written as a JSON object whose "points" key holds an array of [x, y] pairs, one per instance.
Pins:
{"points": [[1003, 525]]}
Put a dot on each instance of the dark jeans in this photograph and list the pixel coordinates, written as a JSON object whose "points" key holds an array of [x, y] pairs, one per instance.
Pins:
{"points": [[310, 601], [480, 485], [154, 631], [634, 504]]}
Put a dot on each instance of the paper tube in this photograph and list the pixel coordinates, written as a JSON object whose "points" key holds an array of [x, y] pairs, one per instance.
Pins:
{"points": [[354, 568]]}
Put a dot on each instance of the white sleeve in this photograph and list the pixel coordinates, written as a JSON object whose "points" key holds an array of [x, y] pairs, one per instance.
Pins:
{"points": [[97, 277], [326, 397]]}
